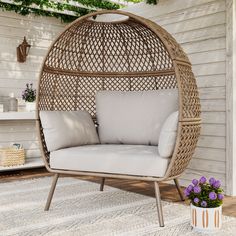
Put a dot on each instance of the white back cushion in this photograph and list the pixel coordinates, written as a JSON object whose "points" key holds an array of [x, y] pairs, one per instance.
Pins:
{"points": [[133, 117], [168, 134], [64, 129]]}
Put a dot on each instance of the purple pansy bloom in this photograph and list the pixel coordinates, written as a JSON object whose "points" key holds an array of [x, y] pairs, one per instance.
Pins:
{"points": [[212, 195], [212, 181], [190, 188], [203, 180], [186, 192], [197, 189], [196, 200], [220, 196], [203, 203], [195, 182], [216, 184], [205, 192]]}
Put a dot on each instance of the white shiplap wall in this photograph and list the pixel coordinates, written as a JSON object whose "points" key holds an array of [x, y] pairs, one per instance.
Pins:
{"points": [[39, 31], [200, 27]]}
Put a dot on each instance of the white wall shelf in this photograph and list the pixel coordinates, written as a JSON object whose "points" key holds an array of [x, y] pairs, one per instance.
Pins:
{"points": [[33, 162], [17, 115], [29, 164]]}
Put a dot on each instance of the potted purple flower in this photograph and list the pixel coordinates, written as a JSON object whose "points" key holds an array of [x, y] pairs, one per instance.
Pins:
{"points": [[29, 95], [206, 204]]}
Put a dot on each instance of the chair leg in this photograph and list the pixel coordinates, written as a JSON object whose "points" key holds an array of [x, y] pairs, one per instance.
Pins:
{"points": [[159, 205], [52, 189], [179, 189], [102, 184]]}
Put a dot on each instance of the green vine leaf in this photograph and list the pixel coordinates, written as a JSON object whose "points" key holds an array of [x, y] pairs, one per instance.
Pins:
{"points": [[24, 7]]}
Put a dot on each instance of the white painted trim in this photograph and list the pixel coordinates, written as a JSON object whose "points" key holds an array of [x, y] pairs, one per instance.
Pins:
{"points": [[17, 115], [31, 163], [230, 97]]}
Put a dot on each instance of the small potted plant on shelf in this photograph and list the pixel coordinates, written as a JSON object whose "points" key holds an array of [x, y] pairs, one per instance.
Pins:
{"points": [[206, 204], [29, 95]]}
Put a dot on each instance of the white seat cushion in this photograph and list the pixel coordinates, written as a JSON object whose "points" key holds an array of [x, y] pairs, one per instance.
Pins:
{"points": [[67, 129], [116, 159], [168, 134], [133, 117]]}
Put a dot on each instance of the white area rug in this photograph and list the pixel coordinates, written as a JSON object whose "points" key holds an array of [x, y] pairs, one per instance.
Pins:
{"points": [[79, 208]]}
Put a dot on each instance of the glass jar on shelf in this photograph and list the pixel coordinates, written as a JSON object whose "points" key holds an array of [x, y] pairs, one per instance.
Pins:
{"points": [[13, 103], [4, 104]]}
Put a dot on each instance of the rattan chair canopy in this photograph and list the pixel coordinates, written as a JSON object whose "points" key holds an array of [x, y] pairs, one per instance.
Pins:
{"points": [[133, 54]]}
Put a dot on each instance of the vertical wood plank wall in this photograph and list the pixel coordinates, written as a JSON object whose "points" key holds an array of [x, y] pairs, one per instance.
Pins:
{"points": [[231, 96], [200, 27], [13, 75]]}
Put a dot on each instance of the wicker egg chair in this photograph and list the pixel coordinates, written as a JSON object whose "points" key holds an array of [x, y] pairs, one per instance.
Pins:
{"points": [[130, 55]]}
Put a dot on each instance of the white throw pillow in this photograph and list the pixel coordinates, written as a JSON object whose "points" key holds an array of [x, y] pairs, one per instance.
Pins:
{"points": [[168, 134], [133, 117], [63, 129]]}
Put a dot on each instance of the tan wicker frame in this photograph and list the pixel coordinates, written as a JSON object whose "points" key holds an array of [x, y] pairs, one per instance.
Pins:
{"points": [[134, 54]]}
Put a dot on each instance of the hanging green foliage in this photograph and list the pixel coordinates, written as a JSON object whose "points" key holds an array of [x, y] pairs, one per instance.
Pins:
{"points": [[24, 7], [99, 4], [154, 2]]}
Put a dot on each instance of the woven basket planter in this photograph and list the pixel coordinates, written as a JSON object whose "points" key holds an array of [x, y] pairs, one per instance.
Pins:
{"points": [[12, 157]]}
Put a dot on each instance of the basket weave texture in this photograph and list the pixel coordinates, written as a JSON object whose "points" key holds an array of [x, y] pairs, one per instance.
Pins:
{"points": [[12, 157]]}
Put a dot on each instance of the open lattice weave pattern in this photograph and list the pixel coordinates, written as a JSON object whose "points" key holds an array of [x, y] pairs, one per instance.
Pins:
{"points": [[190, 96], [109, 47], [130, 55], [60, 92], [188, 140]]}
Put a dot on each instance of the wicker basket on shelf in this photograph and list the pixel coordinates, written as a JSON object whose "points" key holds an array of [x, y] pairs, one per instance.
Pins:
{"points": [[12, 157]]}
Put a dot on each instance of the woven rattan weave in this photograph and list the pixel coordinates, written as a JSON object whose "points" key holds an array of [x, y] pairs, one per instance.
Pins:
{"points": [[133, 54], [12, 157]]}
